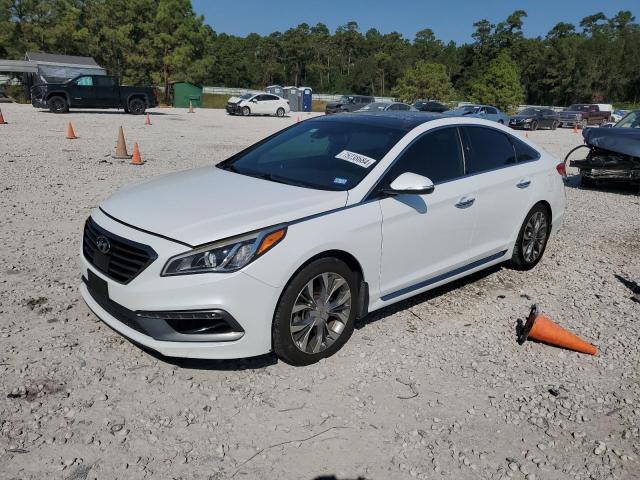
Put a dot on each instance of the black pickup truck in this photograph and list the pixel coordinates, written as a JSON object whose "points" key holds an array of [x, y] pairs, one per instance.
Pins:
{"points": [[93, 91]]}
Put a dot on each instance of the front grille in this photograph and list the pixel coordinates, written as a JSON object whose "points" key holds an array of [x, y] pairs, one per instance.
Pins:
{"points": [[120, 259]]}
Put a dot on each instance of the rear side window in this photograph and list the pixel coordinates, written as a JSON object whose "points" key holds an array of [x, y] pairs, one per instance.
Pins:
{"points": [[491, 110], [487, 149], [104, 81], [435, 155], [524, 152]]}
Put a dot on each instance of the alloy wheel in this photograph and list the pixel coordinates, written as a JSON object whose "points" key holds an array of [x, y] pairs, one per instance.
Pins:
{"points": [[535, 236], [320, 312]]}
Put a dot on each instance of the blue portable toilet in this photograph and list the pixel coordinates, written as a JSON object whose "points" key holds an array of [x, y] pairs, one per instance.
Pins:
{"points": [[306, 94]]}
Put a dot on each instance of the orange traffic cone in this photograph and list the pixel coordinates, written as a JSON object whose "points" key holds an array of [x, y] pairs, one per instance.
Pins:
{"points": [[526, 134], [575, 128], [121, 146], [148, 119], [541, 328], [191, 107], [2, 122], [136, 160], [298, 119], [71, 135]]}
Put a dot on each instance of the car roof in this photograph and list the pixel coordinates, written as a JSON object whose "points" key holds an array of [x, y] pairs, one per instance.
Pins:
{"points": [[405, 120]]}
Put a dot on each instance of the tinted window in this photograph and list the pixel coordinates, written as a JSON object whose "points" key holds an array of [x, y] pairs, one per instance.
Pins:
{"points": [[327, 155], [270, 97], [435, 155], [104, 81], [491, 110], [487, 149], [523, 151], [402, 106]]}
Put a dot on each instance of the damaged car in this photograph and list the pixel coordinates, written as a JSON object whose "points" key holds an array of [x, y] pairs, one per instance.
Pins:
{"points": [[613, 153]]}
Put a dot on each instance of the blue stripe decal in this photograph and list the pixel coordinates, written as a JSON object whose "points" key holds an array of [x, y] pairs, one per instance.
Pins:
{"points": [[444, 276]]}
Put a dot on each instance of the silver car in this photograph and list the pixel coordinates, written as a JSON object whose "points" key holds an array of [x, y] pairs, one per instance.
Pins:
{"points": [[486, 112]]}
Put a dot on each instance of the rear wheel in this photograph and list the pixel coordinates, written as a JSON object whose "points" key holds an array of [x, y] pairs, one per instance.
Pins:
{"points": [[58, 105], [246, 111], [280, 112], [316, 313], [532, 239], [534, 125], [137, 106], [554, 125]]}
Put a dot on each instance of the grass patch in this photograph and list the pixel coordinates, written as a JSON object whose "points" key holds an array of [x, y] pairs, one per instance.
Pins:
{"points": [[213, 100]]}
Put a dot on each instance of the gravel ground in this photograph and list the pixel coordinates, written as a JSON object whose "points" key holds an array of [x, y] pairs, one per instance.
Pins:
{"points": [[435, 387]]}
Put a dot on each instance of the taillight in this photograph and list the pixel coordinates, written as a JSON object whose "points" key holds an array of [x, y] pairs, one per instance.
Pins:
{"points": [[562, 169]]}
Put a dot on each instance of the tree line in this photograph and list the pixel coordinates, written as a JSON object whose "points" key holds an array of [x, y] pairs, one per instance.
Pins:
{"points": [[160, 41]]}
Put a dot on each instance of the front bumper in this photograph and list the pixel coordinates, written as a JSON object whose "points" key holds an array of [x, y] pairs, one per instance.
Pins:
{"points": [[39, 102], [247, 301], [233, 108]]}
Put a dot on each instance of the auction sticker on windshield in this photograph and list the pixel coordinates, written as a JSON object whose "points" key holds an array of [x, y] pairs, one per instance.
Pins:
{"points": [[356, 158]]}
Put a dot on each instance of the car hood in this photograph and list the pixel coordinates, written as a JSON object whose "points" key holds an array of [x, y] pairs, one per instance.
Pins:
{"points": [[234, 100], [207, 204]]}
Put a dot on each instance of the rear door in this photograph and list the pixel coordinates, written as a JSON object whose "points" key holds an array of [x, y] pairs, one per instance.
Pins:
{"points": [[106, 91], [425, 236], [502, 186], [82, 93]]}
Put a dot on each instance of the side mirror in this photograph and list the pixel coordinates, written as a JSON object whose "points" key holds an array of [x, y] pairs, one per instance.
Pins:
{"points": [[410, 184], [254, 100]]}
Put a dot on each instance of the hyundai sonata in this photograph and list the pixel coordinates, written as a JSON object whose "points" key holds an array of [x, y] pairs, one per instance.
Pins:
{"points": [[284, 245]]}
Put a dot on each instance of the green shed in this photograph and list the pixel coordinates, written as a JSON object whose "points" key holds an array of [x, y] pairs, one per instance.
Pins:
{"points": [[183, 92]]}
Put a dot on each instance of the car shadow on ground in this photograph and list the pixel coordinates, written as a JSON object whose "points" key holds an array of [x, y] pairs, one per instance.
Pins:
{"points": [[108, 112], [269, 359], [622, 188]]}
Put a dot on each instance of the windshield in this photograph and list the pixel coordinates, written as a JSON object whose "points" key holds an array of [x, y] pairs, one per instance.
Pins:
{"points": [[347, 99], [325, 155], [375, 107], [247, 96], [632, 120], [577, 108], [529, 111]]}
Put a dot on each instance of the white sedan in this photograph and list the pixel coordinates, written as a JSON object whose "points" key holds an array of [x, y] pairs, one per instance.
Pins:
{"points": [[284, 245], [258, 104]]}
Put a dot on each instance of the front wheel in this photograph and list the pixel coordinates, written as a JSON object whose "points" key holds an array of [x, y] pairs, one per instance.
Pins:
{"points": [[554, 125], [137, 106], [532, 239], [534, 125], [316, 313], [246, 111], [280, 112], [58, 105]]}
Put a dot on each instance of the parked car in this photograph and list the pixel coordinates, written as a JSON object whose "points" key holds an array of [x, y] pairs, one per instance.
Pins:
{"points": [[280, 248], [258, 104], [582, 115], [480, 111], [384, 107], [617, 115], [93, 91], [533, 118], [613, 153], [430, 106], [348, 103]]}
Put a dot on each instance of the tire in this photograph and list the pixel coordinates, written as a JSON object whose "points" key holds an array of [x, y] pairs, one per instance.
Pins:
{"points": [[554, 125], [501, 122], [58, 104], [136, 106], [313, 326], [280, 112], [525, 256], [534, 126], [246, 111]]}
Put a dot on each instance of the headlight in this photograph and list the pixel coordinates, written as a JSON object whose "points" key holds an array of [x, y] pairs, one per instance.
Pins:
{"points": [[225, 256], [527, 120]]}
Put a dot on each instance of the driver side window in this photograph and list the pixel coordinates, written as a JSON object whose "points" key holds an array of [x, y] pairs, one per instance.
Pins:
{"points": [[84, 82], [435, 155]]}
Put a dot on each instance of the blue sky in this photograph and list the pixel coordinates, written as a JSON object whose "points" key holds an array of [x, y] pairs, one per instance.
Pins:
{"points": [[449, 19]]}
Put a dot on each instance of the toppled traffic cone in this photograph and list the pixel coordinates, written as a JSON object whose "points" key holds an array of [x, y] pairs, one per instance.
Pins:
{"points": [[136, 160], [2, 122], [541, 328], [71, 135], [191, 110], [121, 146], [148, 119]]}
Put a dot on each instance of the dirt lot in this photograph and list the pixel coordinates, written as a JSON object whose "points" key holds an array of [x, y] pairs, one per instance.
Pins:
{"points": [[435, 387]]}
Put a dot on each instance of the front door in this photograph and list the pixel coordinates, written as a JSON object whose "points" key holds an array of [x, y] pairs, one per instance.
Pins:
{"points": [[426, 236], [82, 93]]}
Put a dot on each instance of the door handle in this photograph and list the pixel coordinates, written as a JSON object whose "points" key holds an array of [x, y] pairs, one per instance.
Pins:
{"points": [[465, 202], [523, 183]]}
